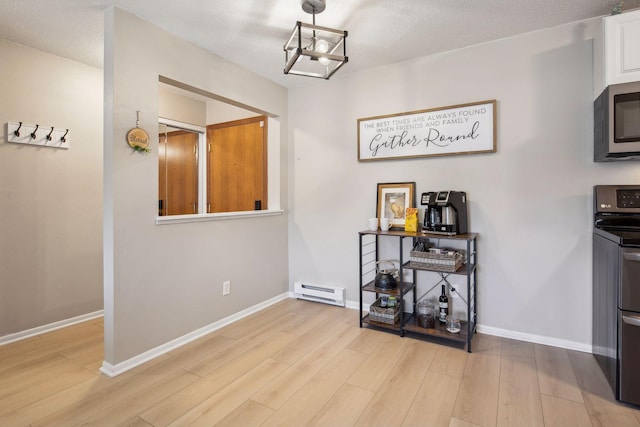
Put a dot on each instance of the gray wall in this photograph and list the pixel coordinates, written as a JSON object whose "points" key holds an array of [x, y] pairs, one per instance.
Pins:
{"points": [[530, 202], [162, 282], [50, 199]]}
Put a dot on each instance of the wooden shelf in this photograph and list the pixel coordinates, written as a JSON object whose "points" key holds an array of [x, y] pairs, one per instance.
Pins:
{"points": [[406, 287], [462, 270], [394, 327], [402, 233], [440, 330]]}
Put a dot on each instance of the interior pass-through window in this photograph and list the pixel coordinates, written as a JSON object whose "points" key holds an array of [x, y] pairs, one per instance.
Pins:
{"points": [[212, 156]]}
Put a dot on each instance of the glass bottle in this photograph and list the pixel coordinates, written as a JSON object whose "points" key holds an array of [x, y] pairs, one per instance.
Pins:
{"points": [[443, 303]]}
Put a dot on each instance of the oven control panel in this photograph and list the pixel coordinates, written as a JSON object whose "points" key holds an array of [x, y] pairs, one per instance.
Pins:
{"points": [[616, 199], [628, 198]]}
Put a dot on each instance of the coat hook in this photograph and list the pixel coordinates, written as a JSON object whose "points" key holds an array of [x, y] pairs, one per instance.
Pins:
{"points": [[63, 139], [17, 131], [49, 136], [33, 134]]}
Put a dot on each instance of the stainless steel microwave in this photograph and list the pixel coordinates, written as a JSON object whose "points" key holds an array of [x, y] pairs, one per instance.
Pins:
{"points": [[616, 124]]}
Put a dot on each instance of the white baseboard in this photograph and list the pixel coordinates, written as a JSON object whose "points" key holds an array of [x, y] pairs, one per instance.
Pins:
{"points": [[355, 305], [515, 335], [536, 339], [6, 339], [114, 370]]}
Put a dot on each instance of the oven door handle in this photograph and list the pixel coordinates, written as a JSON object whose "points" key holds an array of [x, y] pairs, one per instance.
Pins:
{"points": [[631, 320], [631, 256]]}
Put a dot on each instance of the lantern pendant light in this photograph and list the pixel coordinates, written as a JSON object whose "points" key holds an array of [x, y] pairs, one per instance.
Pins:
{"points": [[312, 50]]}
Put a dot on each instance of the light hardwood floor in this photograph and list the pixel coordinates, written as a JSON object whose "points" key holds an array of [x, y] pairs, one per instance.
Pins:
{"points": [[300, 363]]}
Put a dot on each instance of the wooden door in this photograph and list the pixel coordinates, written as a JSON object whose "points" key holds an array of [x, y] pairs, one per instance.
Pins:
{"points": [[178, 173], [237, 165]]}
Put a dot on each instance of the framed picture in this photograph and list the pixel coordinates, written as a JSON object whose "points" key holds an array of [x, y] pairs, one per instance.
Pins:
{"points": [[393, 200]]}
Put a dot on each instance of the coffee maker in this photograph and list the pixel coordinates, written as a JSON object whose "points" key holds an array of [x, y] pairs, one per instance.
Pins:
{"points": [[445, 212]]}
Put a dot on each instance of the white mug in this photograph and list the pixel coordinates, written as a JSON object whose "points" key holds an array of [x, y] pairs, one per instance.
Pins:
{"points": [[385, 223], [373, 224]]}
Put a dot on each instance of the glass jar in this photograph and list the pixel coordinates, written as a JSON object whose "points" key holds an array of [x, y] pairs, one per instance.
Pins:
{"points": [[384, 300], [426, 314]]}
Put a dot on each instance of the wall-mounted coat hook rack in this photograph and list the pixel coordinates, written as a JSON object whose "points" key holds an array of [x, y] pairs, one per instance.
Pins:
{"points": [[56, 138]]}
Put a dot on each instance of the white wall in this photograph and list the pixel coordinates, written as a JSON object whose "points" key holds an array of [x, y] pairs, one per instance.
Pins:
{"points": [[530, 202], [164, 281], [219, 112], [50, 199], [181, 108]]}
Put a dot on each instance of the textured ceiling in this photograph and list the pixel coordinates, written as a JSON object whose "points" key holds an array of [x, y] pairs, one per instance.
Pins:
{"points": [[252, 33]]}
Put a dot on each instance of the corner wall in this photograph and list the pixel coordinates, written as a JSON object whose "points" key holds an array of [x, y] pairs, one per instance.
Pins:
{"points": [[531, 202], [50, 199], [164, 281]]}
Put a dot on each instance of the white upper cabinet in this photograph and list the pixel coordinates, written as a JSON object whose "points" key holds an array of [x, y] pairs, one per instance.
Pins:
{"points": [[616, 51], [622, 48]]}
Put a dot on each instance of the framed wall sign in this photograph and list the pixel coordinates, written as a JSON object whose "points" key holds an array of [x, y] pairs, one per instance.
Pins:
{"points": [[456, 129], [393, 201]]}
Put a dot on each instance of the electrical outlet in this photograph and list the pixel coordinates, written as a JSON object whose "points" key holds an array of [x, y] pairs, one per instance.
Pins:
{"points": [[226, 287]]}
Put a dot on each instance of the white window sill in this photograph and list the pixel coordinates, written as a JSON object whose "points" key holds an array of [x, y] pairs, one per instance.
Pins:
{"points": [[178, 219]]}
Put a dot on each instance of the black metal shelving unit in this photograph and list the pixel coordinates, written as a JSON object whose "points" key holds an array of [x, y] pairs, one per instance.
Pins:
{"points": [[407, 322]]}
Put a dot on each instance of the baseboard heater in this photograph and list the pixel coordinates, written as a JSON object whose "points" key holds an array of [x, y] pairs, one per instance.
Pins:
{"points": [[320, 293]]}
